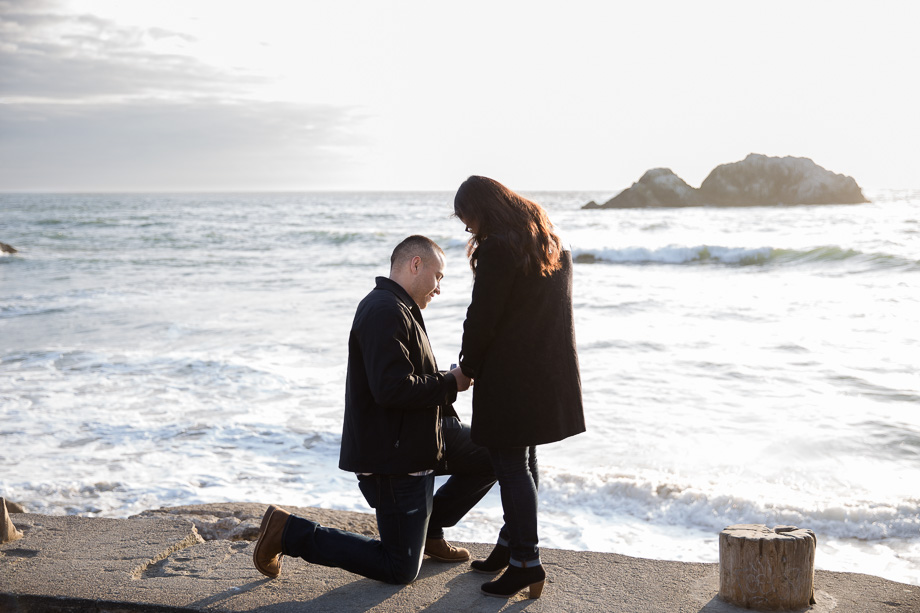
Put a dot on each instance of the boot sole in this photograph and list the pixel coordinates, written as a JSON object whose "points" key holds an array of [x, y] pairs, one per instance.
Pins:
{"points": [[440, 559], [487, 572], [536, 590]]}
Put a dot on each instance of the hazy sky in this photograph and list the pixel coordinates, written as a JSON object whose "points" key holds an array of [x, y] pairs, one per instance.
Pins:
{"points": [[272, 95]]}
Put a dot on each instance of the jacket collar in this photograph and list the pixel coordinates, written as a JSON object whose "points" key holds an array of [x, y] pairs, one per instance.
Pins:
{"points": [[392, 286]]}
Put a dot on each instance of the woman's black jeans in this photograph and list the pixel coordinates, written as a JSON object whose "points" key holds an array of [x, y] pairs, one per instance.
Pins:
{"points": [[518, 478]]}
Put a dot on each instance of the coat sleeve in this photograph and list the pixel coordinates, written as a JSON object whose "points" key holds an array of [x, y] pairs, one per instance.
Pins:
{"points": [[496, 269], [393, 381]]}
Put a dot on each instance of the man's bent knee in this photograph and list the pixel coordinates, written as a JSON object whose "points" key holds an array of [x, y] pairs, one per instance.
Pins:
{"points": [[404, 571], [405, 576]]}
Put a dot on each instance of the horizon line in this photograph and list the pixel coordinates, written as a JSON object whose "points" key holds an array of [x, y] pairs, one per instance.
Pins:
{"points": [[273, 191], [104, 191]]}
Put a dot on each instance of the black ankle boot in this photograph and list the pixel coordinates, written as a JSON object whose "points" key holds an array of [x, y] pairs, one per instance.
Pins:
{"points": [[496, 561], [516, 579]]}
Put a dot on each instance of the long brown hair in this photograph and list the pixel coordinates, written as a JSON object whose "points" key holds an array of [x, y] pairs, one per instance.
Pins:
{"points": [[495, 210]]}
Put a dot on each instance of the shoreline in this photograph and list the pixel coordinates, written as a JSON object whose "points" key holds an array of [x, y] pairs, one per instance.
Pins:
{"points": [[199, 558]]}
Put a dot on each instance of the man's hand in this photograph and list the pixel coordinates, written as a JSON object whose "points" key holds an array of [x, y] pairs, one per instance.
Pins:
{"points": [[463, 382]]}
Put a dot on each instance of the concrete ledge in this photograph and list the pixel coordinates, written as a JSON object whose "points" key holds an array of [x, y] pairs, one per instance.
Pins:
{"points": [[159, 562]]}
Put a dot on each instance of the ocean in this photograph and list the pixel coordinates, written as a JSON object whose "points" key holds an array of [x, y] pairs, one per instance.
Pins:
{"points": [[739, 365]]}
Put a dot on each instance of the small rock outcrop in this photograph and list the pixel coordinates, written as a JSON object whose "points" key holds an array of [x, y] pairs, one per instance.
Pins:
{"points": [[657, 187], [4, 248], [757, 180]]}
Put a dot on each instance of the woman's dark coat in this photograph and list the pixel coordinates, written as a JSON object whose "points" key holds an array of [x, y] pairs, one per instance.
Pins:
{"points": [[519, 347]]}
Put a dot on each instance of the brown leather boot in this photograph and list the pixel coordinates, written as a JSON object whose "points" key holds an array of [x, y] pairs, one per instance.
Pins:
{"points": [[267, 555], [442, 551]]}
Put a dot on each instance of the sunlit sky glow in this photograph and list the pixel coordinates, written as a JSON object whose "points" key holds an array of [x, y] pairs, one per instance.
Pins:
{"points": [[206, 95]]}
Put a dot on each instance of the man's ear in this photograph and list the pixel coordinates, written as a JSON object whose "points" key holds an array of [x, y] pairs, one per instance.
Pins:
{"points": [[415, 264]]}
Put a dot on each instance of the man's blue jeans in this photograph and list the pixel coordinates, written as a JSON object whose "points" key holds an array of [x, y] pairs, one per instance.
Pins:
{"points": [[408, 512]]}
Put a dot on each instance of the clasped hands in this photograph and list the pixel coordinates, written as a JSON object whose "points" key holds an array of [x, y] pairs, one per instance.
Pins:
{"points": [[463, 382]]}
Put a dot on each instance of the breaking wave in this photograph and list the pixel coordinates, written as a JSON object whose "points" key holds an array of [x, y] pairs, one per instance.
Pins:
{"points": [[741, 256], [665, 503]]}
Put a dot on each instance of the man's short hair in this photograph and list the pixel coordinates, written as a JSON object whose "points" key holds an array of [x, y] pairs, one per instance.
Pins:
{"points": [[415, 245]]}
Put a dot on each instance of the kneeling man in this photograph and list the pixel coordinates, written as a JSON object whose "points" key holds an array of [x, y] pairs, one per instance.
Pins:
{"points": [[400, 431]]}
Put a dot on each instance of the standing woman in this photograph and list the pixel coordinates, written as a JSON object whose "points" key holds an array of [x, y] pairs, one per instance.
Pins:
{"points": [[519, 346]]}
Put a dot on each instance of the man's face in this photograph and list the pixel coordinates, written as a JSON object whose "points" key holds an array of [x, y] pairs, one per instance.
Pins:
{"points": [[427, 281]]}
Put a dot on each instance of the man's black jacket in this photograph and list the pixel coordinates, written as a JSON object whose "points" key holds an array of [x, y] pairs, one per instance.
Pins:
{"points": [[394, 395]]}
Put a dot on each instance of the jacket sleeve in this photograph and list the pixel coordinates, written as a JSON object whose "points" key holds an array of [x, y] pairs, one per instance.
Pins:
{"points": [[394, 383], [496, 269]]}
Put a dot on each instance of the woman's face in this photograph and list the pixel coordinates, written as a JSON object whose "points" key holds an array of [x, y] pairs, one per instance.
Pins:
{"points": [[471, 226]]}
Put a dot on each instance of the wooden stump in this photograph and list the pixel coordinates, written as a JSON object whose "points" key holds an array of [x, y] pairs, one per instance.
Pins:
{"points": [[768, 570]]}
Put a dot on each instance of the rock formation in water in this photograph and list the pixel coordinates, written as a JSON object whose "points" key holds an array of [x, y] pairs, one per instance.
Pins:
{"points": [[4, 248], [657, 187], [757, 180]]}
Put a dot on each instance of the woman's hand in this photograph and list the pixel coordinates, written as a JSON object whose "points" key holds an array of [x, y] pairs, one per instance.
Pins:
{"points": [[463, 382]]}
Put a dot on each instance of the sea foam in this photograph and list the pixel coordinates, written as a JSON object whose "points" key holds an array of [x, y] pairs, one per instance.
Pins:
{"points": [[666, 502]]}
